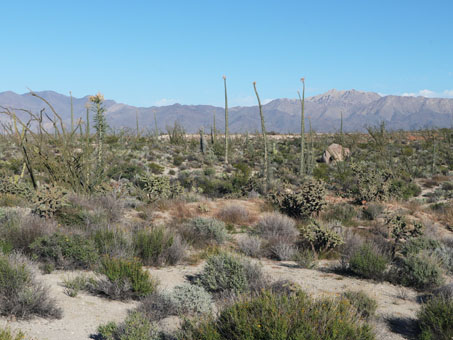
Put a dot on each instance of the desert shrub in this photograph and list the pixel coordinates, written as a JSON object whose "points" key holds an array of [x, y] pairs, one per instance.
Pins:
{"points": [[158, 246], [205, 230], [123, 279], [65, 251], [342, 212], [21, 295], [234, 214], [223, 272], [21, 231], [305, 258], [280, 249], [417, 244], [320, 239], [251, 246], [7, 334], [77, 283], [372, 211], [368, 262], [158, 187], [274, 316], [445, 256], [404, 190], [189, 299], [276, 225], [309, 199], [365, 305], [435, 319], [256, 279], [135, 327], [112, 242], [421, 271]]}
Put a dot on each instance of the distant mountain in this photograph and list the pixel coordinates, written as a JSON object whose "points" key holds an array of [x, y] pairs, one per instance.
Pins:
{"points": [[359, 109]]}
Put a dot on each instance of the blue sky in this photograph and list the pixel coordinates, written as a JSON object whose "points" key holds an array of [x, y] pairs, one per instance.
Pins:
{"points": [[159, 52]]}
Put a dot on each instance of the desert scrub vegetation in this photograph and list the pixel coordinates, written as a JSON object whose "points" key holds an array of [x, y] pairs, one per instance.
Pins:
{"points": [[8, 334], [21, 294], [280, 316], [434, 318]]}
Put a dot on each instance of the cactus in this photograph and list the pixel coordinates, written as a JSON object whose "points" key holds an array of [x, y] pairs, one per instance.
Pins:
{"points": [[13, 187], [101, 129], [136, 123], [302, 129], [226, 121], [202, 142], [303, 203], [48, 200], [72, 114], [158, 187], [213, 132], [263, 129]]}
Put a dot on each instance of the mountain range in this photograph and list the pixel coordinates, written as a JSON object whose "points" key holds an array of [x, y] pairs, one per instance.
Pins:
{"points": [[359, 109]]}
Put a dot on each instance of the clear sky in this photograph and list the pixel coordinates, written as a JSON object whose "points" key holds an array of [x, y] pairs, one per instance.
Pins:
{"points": [[159, 52]]}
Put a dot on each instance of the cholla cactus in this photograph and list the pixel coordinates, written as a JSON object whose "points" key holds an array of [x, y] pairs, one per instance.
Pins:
{"points": [[373, 184], [48, 200], [309, 199], [320, 239], [159, 187], [9, 186]]}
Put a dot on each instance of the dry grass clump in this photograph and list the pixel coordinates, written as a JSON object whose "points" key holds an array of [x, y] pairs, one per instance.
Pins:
{"points": [[21, 295], [234, 214]]}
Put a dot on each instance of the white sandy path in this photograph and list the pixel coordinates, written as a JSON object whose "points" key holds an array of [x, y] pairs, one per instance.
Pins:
{"points": [[83, 314]]}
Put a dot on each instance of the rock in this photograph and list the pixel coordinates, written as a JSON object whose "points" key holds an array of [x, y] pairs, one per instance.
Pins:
{"points": [[335, 153]]}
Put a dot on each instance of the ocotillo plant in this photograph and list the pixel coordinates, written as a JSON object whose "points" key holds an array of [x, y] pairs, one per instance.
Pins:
{"points": [[302, 129], [72, 114], [156, 131], [226, 121], [263, 129], [312, 153], [101, 128], [214, 132]]}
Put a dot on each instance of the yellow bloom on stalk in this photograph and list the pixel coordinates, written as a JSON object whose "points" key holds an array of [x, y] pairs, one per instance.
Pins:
{"points": [[98, 98]]}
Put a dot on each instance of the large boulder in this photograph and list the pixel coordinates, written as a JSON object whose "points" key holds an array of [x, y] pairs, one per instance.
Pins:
{"points": [[335, 153]]}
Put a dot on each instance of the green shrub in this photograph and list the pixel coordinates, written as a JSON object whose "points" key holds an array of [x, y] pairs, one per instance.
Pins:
{"points": [[7, 334], [223, 272], [421, 271], [65, 251], [341, 212], [203, 230], [124, 279], [305, 258], [112, 242], [368, 262], [435, 319], [190, 299], [372, 211], [135, 327], [278, 316], [417, 244], [365, 305], [21, 295]]}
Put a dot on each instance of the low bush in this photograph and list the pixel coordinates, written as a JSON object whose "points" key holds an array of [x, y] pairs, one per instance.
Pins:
{"points": [[204, 230], [372, 210], [305, 258], [112, 242], [251, 246], [7, 334], [135, 327], [275, 316], [223, 272], [435, 319], [421, 271], [234, 214], [368, 262], [276, 225], [21, 295], [343, 212], [65, 251], [123, 279], [157, 247], [189, 299], [365, 305]]}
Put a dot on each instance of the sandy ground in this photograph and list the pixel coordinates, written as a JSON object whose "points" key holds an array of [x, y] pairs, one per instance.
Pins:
{"points": [[84, 313]]}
